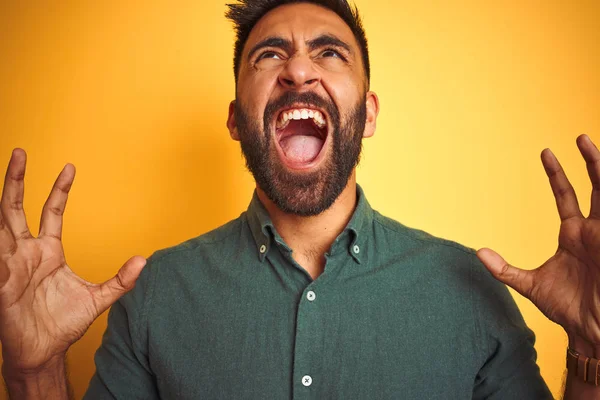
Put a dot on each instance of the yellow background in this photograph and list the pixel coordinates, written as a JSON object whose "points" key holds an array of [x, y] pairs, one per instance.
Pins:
{"points": [[135, 94]]}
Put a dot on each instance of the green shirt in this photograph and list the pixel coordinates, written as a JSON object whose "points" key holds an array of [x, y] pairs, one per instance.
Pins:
{"points": [[396, 314]]}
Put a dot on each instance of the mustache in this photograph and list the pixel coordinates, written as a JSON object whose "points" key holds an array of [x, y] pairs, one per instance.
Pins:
{"points": [[290, 98]]}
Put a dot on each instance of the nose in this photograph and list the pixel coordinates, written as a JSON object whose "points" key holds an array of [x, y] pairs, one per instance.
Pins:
{"points": [[299, 74]]}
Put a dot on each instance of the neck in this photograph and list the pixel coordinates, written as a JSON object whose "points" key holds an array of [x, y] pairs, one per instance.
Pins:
{"points": [[311, 237]]}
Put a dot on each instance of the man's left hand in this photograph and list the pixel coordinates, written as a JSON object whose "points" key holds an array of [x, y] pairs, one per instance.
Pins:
{"points": [[566, 288]]}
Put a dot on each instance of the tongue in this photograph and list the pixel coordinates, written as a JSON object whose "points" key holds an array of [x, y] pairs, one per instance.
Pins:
{"points": [[300, 148]]}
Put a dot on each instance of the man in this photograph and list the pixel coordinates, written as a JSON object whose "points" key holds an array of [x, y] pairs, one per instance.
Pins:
{"points": [[310, 293]]}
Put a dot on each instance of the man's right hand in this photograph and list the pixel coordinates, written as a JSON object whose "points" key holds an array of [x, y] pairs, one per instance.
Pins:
{"points": [[44, 306]]}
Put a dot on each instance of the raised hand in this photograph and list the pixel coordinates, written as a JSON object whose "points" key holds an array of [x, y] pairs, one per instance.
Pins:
{"points": [[44, 306], [566, 288]]}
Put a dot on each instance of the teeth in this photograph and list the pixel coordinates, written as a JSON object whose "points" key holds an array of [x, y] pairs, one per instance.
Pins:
{"points": [[299, 114], [318, 117]]}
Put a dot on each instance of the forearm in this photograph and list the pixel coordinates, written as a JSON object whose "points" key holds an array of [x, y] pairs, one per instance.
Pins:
{"points": [[576, 388], [49, 383]]}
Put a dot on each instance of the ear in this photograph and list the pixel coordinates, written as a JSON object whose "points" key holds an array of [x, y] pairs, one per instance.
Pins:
{"points": [[231, 125], [372, 113]]}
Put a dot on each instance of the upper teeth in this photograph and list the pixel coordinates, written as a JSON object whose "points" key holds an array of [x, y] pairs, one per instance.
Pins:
{"points": [[301, 113]]}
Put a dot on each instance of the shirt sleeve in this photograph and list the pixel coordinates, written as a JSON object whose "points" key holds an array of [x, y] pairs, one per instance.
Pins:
{"points": [[508, 365], [122, 366]]}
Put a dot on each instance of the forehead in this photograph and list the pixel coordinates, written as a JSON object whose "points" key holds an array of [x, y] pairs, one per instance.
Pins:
{"points": [[300, 22]]}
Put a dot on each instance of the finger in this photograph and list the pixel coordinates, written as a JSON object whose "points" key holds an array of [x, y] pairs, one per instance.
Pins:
{"points": [[566, 199], [8, 246], [518, 279], [11, 204], [52, 214], [110, 291], [591, 155]]}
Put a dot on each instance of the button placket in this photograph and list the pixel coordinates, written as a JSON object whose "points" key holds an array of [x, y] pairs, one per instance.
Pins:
{"points": [[308, 343]]}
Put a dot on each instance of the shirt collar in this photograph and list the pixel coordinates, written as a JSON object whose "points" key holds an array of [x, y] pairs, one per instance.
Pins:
{"points": [[359, 226], [265, 234], [261, 226]]}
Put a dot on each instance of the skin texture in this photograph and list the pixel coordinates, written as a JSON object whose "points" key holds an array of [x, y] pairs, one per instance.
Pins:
{"points": [[566, 288], [305, 192], [45, 307], [301, 69]]}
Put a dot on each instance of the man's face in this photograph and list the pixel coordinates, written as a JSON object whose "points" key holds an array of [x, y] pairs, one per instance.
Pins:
{"points": [[302, 107]]}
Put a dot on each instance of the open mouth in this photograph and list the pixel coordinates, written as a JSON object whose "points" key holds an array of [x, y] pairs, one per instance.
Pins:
{"points": [[301, 135]]}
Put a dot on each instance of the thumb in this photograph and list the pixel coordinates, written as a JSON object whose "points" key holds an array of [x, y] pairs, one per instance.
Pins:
{"points": [[111, 290], [518, 279]]}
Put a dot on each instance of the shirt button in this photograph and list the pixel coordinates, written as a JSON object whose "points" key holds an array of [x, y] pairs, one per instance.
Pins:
{"points": [[310, 295], [356, 249], [306, 380], [263, 248]]}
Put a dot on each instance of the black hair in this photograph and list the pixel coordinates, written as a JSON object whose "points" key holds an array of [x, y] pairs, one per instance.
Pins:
{"points": [[247, 13]]}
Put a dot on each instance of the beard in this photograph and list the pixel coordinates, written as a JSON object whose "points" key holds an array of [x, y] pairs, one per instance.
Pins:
{"points": [[304, 193]]}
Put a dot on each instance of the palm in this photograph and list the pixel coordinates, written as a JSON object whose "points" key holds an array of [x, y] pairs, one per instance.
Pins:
{"points": [[566, 288], [40, 303], [44, 306]]}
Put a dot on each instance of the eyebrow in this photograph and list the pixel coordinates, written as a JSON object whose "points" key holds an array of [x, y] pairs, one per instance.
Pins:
{"points": [[285, 44], [328, 40]]}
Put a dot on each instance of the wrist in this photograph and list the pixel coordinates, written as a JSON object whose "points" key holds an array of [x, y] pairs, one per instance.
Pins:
{"points": [[48, 381], [11, 370]]}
